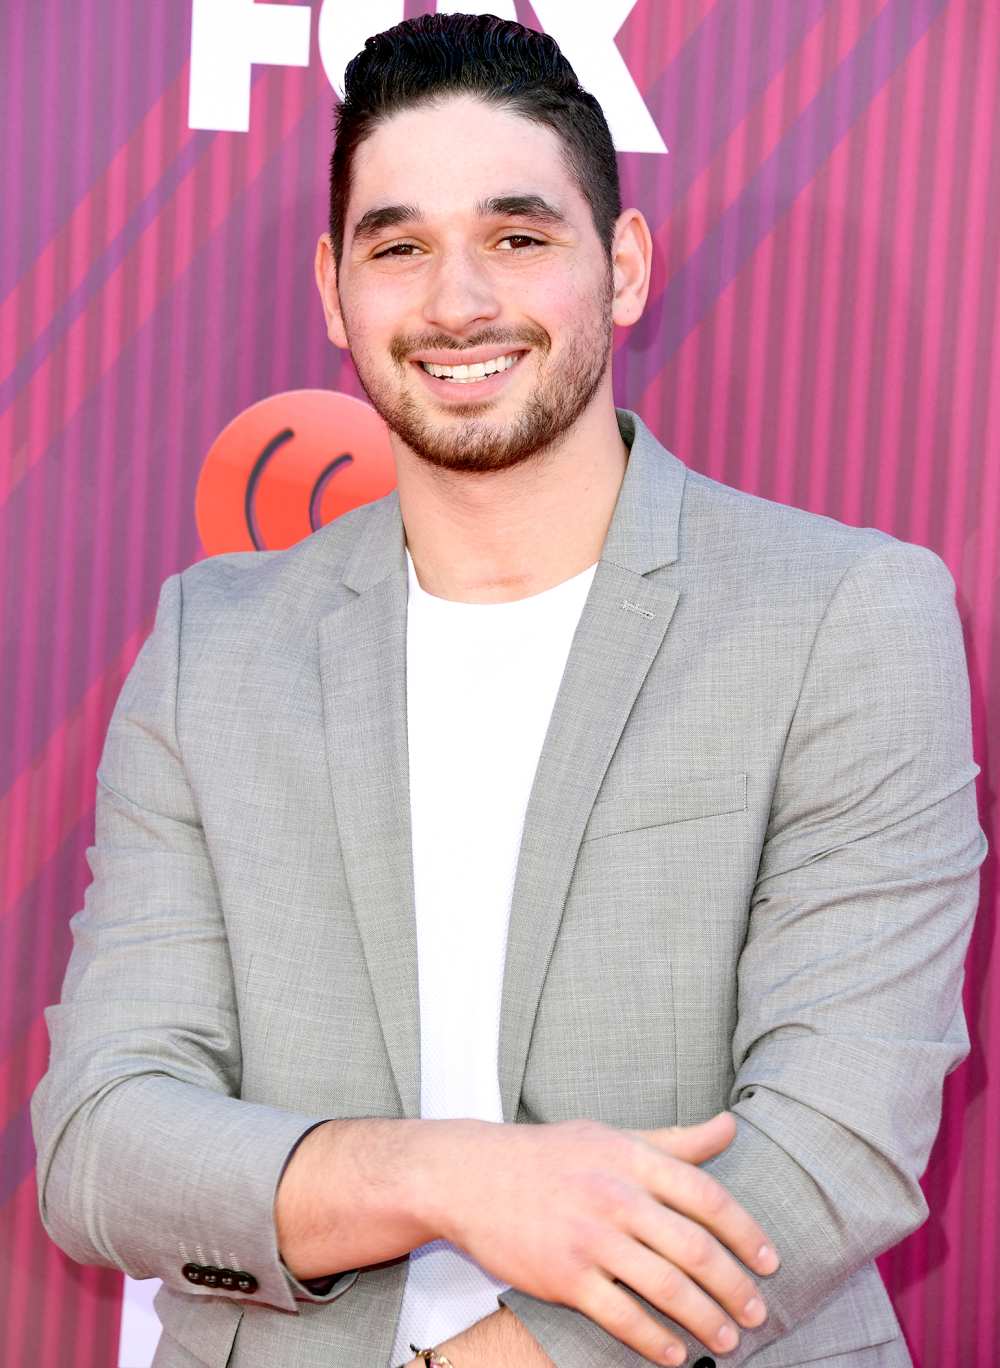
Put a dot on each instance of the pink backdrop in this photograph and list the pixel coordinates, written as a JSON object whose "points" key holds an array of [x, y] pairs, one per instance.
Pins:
{"points": [[821, 330]]}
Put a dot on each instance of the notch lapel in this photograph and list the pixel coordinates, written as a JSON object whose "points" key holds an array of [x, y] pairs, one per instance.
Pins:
{"points": [[362, 648], [611, 653], [621, 628], [362, 651]]}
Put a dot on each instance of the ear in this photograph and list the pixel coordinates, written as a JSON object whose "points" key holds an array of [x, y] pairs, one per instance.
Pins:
{"points": [[326, 283], [631, 260]]}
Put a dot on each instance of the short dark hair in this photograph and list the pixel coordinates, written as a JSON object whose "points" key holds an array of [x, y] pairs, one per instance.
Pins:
{"points": [[499, 61]]}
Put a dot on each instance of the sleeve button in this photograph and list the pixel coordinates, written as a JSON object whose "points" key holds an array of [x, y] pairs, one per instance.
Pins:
{"points": [[227, 1279], [192, 1272], [246, 1282], [210, 1275]]}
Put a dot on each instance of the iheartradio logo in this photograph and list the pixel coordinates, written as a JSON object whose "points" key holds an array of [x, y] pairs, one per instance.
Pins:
{"points": [[288, 465]]}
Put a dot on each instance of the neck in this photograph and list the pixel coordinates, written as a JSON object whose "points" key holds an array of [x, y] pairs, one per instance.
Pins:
{"points": [[504, 535]]}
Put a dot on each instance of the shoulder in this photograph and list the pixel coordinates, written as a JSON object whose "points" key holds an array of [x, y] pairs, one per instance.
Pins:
{"points": [[314, 564], [260, 606], [272, 595], [729, 534]]}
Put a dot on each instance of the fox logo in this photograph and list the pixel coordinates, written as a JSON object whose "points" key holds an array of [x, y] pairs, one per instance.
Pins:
{"points": [[229, 36]]}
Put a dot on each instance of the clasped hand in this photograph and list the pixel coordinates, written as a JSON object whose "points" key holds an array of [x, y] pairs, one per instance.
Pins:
{"points": [[568, 1211]]}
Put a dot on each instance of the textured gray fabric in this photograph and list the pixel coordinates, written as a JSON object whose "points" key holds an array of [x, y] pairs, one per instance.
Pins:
{"points": [[748, 876]]}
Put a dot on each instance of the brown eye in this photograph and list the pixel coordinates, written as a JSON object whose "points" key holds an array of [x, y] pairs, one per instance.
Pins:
{"points": [[522, 237]]}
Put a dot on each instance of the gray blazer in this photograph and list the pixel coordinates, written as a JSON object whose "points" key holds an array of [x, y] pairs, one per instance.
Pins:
{"points": [[748, 876]]}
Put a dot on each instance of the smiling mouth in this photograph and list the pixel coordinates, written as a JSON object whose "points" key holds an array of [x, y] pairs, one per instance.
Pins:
{"points": [[472, 374]]}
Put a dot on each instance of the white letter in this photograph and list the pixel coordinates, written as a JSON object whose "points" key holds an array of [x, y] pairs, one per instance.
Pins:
{"points": [[344, 28], [227, 38], [586, 34]]}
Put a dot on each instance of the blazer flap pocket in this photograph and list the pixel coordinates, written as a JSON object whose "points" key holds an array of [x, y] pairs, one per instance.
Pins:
{"points": [[673, 801]]}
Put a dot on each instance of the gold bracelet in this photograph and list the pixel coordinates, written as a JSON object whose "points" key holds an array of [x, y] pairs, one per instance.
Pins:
{"points": [[432, 1359]]}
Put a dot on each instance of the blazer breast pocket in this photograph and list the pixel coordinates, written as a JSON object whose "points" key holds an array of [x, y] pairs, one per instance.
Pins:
{"points": [[677, 800]]}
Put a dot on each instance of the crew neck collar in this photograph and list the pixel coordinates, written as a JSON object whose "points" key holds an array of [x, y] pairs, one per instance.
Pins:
{"points": [[542, 598]]}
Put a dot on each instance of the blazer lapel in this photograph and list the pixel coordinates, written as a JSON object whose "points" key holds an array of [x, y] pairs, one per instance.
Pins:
{"points": [[363, 667], [362, 649], [621, 627]]}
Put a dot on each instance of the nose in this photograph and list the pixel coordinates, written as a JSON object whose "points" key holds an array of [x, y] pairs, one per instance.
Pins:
{"points": [[460, 293]]}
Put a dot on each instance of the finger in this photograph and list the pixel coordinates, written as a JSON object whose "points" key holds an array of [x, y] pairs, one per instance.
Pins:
{"points": [[668, 1287], [697, 1195], [688, 1247], [621, 1315], [694, 1144]]}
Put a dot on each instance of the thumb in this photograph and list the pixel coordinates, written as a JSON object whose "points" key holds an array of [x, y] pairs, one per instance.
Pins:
{"points": [[694, 1144]]}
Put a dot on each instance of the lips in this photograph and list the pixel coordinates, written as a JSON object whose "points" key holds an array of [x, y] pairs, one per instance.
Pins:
{"points": [[469, 390], [473, 356]]}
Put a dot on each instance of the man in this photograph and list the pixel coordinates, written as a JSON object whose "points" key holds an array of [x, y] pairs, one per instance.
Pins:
{"points": [[563, 786]]}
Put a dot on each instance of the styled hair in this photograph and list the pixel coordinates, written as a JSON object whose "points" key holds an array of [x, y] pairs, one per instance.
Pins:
{"points": [[501, 62]]}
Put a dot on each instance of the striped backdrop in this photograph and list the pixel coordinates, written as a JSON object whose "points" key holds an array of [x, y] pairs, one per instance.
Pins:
{"points": [[821, 330]]}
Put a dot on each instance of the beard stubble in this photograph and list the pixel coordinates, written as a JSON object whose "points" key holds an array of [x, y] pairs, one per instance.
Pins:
{"points": [[467, 440]]}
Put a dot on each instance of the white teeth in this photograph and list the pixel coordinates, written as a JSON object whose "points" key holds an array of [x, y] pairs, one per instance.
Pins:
{"points": [[465, 375]]}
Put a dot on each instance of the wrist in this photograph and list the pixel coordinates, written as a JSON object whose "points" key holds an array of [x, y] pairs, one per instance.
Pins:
{"points": [[438, 1164], [499, 1338], [352, 1195]]}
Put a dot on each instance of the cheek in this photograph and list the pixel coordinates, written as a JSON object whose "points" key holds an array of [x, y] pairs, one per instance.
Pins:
{"points": [[556, 305], [571, 315], [369, 340], [575, 293], [372, 316]]}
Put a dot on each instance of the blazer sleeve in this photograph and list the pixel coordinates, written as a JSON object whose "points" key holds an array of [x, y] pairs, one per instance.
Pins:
{"points": [[147, 1158], [850, 980]]}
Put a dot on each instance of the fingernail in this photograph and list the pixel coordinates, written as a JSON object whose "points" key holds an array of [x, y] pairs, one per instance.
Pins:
{"points": [[675, 1355], [754, 1311], [767, 1259], [727, 1338]]}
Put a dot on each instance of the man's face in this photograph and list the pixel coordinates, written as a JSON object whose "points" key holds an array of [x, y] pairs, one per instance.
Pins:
{"points": [[468, 278]]}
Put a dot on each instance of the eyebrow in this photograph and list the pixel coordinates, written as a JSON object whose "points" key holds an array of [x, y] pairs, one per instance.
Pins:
{"points": [[522, 206]]}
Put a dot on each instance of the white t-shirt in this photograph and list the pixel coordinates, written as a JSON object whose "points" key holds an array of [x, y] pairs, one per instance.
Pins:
{"points": [[481, 679]]}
